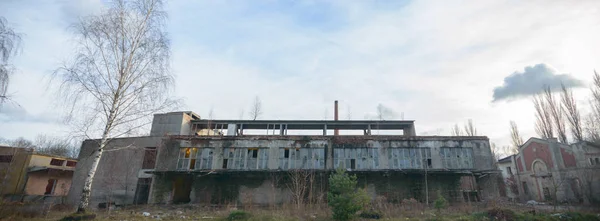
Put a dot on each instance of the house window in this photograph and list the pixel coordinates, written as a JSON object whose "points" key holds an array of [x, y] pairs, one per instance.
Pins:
{"points": [[71, 163], [56, 162], [591, 161], [5, 158], [50, 187], [509, 171]]}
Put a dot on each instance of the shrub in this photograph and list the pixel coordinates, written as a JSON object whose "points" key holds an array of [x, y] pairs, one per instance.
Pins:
{"points": [[238, 215], [440, 202], [343, 196], [501, 214]]}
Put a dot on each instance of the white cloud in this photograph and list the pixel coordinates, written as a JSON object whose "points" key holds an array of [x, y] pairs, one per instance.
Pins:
{"points": [[437, 62]]}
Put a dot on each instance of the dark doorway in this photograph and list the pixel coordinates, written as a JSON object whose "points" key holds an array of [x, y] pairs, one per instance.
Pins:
{"points": [[182, 187], [50, 187], [142, 191]]}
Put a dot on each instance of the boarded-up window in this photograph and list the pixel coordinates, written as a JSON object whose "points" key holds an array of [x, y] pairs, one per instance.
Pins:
{"points": [[356, 158], [71, 163], [56, 162], [457, 157], [409, 158], [5, 158], [301, 158], [149, 158]]}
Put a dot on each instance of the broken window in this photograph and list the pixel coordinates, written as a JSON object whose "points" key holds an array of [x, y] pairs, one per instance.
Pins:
{"points": [[409, 158], [456, 157], [71, 163], [149, 158], [525, 188], [302, 158], [187, 158], [5, 158], [56, 162], [50, 187], [245, 158], [509, 171], [356, 158]]}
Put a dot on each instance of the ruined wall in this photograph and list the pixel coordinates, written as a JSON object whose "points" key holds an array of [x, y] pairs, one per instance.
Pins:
{"points": [[118, 171], [37, 182], [13, 173], [451, 157]]}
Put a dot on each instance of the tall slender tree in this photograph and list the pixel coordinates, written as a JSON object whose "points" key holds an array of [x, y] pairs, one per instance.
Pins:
{"points": [[543, 120], [118, 76], [569, 106], [470, 129], [557, 115], [256, 109], [517, 139]]}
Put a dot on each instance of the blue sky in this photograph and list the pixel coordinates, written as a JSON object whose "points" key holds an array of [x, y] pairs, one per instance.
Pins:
{"points": [[438, 62]]}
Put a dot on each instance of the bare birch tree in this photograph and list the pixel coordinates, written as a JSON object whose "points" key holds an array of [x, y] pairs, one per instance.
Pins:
{"points": [[556, 112], [384, 112], [517, 139], [256, 109], [456, 131], [470, 129], [543, 121], [9, 42], [573, 116], [119, 75]]}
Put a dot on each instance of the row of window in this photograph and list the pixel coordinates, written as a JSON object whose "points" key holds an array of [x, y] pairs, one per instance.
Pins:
{"points": [[314, 158]]}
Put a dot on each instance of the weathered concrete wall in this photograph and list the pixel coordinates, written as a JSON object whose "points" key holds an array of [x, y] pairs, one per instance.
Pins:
{"points": [[37, 182], [117, 174], [224, 185], [13, 174], [173, 123]]}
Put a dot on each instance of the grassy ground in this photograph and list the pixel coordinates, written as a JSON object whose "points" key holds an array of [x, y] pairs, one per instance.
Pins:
{"points": [[391, 212]]}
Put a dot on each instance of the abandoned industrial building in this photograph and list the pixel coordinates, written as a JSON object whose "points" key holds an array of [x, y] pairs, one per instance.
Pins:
{"points": [[186, 159], [546, 170]]}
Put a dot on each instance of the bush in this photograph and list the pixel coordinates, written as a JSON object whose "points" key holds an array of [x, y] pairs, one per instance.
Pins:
{"points": [[440, 202], [238, 215], [343, 196]]}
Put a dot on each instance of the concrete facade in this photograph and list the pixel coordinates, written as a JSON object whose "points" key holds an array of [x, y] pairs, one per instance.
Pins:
{"points": [[215, 162], [548, 170]]}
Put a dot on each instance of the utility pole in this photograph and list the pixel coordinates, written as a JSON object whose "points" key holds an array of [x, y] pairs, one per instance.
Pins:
{"points": [[426, 187]]}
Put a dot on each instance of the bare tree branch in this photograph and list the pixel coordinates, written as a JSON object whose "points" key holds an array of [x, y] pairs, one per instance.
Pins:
{"points": [[517, 139], [119, 75], [569, 106], [256, 109], [456, 131], [470, 129], [543, 121], [556, 112], [9, 44]]}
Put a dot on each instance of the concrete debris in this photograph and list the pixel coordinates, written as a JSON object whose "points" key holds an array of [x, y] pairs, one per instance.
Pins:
{"points": [[146, 213]]}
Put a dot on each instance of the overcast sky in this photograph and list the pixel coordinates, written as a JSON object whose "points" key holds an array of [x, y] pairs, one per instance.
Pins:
{"points": [[437, 62]]}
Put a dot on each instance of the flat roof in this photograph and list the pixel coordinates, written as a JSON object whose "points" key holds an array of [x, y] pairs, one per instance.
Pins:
{"points": [[308, 124]]}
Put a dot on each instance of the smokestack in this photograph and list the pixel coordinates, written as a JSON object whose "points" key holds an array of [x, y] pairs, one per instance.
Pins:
{"points": [[335, 117]]}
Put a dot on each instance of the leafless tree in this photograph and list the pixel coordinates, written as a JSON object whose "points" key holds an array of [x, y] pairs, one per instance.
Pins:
{"points": [[9, 43], [517, 139], [66, 147], [470, 129], [569, 106], [556, 112], [456, 131], [384, 112], [22, 142], [349, 113], [592, 125], [543, 120], [119, 75], [300, 183], [256, 109]]}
